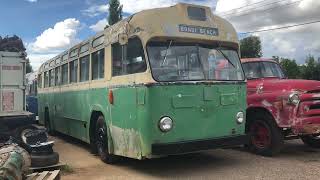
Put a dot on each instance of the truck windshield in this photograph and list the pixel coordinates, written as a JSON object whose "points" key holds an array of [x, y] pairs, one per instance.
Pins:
{"points": [[256, 70], [193, 62]]}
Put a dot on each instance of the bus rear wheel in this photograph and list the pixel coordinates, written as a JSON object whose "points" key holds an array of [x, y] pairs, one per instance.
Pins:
{"points": [[265, 137], [101, 142]]}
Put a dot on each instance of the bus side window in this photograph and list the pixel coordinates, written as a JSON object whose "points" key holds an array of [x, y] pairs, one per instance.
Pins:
{"points": [[128, 59], [57, 76], [84, 68], [74, 71], [51, 78], [98, 65], [40, 81], [46, 79], [64, 74]]}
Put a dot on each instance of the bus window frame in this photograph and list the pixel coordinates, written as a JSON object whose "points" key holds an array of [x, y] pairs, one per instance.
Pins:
{"points": [[61, 82], [104, 66], [124, 53]]}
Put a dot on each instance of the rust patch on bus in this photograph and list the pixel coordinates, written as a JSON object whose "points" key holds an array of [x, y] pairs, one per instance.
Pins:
{"points": [[126, 142]]}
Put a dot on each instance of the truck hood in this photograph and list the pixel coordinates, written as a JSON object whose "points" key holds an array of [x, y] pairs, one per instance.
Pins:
{"points": [[290, 84]]}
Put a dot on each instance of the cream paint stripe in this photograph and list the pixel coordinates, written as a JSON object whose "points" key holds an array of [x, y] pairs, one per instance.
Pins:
{"points": [[131, 79]]}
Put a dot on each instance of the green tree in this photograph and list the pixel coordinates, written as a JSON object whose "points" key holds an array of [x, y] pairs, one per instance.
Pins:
{"points": [[291, 68], [251, 47], [29, 68], [115, 12], [311, 69]]}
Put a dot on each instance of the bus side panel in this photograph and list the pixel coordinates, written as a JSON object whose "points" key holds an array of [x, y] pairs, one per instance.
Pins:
{"points": [[124, 125], [74, 115]]}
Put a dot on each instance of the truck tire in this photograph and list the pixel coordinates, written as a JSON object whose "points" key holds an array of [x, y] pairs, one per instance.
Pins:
{"points": [[20, 132], [311, 140], [44, 160], [101, 141], [265, 137]]}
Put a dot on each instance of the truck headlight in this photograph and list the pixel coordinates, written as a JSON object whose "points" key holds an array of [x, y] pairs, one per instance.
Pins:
{"points": [[240, 117], [294, 98], [165, 124]]}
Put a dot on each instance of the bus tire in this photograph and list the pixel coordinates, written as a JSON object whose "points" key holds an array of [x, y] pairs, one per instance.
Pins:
{"points": [[265, 137], [311, 140], [47, 124], [101, 141]]}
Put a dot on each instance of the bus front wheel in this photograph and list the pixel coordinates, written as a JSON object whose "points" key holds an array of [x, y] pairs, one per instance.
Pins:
{"points": [[265, 137], [101, 137]]}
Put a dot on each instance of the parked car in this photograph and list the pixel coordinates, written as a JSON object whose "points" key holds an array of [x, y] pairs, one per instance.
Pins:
{"points": [[279, 108]]}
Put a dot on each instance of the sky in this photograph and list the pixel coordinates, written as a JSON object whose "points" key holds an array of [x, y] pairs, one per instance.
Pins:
{"points": [[49, 27]]}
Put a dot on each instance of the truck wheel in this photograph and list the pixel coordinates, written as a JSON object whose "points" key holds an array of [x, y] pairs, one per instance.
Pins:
{"points": [[101, 140], [44, 160], [47, 124], [265, 137], [311, 140]]}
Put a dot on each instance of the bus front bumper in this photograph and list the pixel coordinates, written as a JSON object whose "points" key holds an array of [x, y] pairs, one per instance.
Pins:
{"points": [[198, 145]]}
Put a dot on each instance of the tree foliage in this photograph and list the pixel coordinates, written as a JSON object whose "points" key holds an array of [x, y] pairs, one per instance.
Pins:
{"points": [[290, 68], [115, 12], [15, 44], [251, 47], [310, 70]]}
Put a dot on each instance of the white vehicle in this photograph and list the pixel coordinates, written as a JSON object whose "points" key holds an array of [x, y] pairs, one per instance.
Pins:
{"points": [[13, 112]]}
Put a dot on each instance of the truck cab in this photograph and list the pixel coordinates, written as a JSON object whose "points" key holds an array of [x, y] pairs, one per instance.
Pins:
{"points": [[279, 108], [13, 113]]}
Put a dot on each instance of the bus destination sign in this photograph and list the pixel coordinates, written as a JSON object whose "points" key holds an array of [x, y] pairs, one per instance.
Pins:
{"points": [[199, 30]]}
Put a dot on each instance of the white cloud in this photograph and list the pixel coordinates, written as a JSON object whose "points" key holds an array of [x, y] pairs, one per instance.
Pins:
{"points": [[99, 26], [96, 10], [52, 41], [61, 36], [295, 42], [37, 59], [32, 0]]}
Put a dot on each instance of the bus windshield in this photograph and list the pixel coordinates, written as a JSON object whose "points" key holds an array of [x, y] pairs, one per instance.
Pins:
{"points": [[173, 61], [256, 70]]}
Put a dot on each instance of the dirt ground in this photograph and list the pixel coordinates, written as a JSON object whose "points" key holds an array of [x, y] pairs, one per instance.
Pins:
{"points": [[295, 162]]}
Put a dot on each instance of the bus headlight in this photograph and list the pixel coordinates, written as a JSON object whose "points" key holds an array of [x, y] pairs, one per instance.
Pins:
{"points": [[165, 124], [294, 98], [240, 117]]}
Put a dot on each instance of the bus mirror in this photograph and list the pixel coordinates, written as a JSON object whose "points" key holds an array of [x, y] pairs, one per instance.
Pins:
{"points": [[123, 39]]}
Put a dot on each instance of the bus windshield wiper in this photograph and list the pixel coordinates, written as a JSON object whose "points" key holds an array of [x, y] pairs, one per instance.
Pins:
{"points": [[225, 56], [165, 57]]}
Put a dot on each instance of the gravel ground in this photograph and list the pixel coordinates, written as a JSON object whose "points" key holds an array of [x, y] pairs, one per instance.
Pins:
{"points": [[297, 161]]}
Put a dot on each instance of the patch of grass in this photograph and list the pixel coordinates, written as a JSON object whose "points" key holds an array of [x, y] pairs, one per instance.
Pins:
{"points": [[66, 169]]}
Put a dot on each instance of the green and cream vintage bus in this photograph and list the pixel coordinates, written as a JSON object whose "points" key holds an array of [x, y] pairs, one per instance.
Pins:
{"points": [[160, 82]]}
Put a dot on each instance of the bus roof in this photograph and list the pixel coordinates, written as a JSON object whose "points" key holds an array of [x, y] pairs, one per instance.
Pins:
{"points": [[182, 21], [245, 60]]}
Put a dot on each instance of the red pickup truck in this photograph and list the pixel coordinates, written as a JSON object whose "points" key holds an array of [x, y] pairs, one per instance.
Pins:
{"points": [[279, 108]]}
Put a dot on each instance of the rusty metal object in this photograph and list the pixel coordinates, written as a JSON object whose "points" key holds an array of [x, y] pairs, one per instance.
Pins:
{"points": [[310, 129], [14, 162]]}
